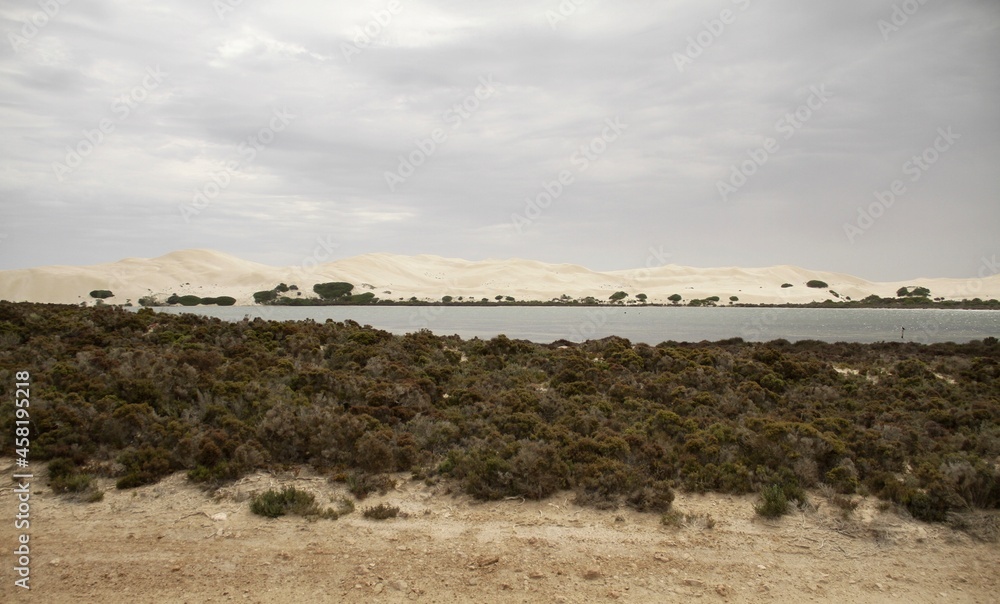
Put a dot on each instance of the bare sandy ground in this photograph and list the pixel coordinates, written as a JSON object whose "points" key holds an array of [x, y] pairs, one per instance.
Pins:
{"points": [[171, 542]]}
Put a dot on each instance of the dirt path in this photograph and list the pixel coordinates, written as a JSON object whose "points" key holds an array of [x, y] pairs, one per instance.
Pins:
{"points": [[170, 542]]}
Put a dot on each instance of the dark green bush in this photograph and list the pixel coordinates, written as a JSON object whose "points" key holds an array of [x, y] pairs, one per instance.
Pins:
{"points": [[101, 294], [189, 300], [618, 423], [365, 298], [773, 502], [334, 290], [381, 511], [143, 466], [65, 477], [288, 500], [361, 484], [817, 284], [265, 296]]}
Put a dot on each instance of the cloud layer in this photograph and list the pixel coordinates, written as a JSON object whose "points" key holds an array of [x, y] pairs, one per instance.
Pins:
{"points": [[857, 136]]}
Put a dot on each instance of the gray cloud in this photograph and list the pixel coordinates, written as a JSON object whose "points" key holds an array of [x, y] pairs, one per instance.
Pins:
{"points": [[270, 194]]}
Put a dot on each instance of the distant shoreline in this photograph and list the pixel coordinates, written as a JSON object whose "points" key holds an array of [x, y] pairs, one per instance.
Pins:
{"points": [[908, 305]]}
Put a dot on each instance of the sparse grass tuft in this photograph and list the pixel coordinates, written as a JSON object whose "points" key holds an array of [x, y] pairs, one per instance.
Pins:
{"points": [[677, 520]]}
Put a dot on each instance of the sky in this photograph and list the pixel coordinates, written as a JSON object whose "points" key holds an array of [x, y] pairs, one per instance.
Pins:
{"points": [[858, 136]]}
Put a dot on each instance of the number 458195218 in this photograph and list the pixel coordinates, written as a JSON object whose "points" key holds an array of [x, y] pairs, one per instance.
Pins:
{"points": [[22, 417]]}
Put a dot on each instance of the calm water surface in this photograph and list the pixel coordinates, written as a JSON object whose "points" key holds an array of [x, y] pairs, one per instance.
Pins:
{"points": [[651, 325]]}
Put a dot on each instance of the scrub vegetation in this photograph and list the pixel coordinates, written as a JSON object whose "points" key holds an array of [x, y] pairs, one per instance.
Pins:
{"points": [[139, 395]]}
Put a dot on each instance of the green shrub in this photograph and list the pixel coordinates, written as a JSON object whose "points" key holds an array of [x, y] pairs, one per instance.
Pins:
{"points": [[361, 484], [919, 292], [289, 500], [381, 511], [786, 285], [843, 478], [64, 477], [143, 466], [365, 298], [225, 301], [189, 300], [333, 290], [817, 284], [675, 298], [773, 502], [101, 294], [656, 496], [263, 297], [618, 296]]}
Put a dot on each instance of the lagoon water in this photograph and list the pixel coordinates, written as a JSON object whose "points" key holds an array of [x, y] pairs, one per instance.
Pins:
{"points": [[650, 325]]}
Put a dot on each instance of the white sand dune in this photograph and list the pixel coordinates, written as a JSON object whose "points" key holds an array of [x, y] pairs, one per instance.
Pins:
{"points": [[210, 273]]}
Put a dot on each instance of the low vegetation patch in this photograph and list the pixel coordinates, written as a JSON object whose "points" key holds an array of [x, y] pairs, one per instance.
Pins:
{"points": [[381, 511], [142, 394], [677, 519], [289, 500]]}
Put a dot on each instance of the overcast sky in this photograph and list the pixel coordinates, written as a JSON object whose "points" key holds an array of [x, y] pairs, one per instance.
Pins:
{"points": [[730, 132]]}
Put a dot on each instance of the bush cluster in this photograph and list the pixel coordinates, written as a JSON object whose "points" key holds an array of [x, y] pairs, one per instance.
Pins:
{"points": [[289, 500], [190, 300], [143, 394]]}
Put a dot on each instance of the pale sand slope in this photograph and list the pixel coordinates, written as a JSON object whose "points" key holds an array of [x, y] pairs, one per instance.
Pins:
{"points": [[170, 542], [210, 273]]}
